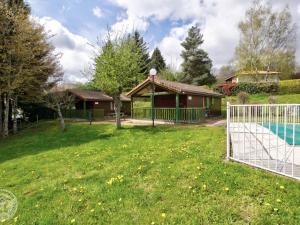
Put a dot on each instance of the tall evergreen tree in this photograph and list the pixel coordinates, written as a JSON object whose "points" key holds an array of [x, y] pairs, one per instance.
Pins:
{"points": [[196, 65], [143, 50], [157, 60]]}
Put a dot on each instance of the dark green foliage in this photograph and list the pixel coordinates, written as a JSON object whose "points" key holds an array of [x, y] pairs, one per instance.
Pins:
{"points": [[143, 50], [157, 60], [196, 65], [255, 88]]}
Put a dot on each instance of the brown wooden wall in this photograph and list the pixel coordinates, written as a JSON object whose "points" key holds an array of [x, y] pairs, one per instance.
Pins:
{"points": [[169, 101], [106, 105]]}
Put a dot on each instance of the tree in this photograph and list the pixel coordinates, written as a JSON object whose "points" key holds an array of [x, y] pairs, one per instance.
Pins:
{"points": [[27, 60], [157, 60], [57, 101], [196, 64], [267, 40], [18, 4], [142, 49], [116, 68]]}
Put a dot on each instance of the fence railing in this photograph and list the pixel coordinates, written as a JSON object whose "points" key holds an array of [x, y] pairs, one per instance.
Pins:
{"points": [[93, 114], [183, 115], [265, 136]]}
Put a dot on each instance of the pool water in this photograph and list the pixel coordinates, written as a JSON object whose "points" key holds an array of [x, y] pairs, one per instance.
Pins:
{"points": [[289, 132]]}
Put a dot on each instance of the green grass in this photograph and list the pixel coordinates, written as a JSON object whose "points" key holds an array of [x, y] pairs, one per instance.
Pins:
{"points": [[263, 98], [138, 175]]}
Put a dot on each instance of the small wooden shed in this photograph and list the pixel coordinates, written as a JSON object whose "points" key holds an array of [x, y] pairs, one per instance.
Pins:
{"points": [[86, 100]]}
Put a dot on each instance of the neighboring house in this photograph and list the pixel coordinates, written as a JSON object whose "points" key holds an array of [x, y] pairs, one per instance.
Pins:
{"points": [[85, 100], [175, 95], [254, 77]]}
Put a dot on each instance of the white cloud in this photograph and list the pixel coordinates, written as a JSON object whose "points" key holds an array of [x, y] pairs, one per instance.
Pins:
{"points": [[129, 24], [97, 12], [75, 50], [218, 18]]}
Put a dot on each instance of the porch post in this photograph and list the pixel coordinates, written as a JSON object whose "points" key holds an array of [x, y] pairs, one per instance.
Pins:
{"points": [[177, 108], [131, 109], [84, 108]]}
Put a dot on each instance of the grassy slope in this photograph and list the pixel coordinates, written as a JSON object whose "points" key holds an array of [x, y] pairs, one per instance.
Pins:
{"points": [[137, 175], [263, 98]]}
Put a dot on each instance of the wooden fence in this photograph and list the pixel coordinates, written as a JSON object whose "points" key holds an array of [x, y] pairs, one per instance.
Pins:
{"points": [[182, 115]]}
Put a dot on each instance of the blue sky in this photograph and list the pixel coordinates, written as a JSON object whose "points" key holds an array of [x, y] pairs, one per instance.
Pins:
{"points": [[163, 23]]}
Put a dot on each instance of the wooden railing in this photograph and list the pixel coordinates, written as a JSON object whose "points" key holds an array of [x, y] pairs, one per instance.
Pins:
{"points": [[183, 115]]}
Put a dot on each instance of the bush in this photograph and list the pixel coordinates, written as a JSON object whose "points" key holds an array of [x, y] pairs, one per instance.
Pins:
{"points": [[225, 89], [289, 86], [243, 97], [255, 88]]}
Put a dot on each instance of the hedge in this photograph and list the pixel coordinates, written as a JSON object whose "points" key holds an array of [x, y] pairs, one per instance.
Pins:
{"points": [[289, 86]]}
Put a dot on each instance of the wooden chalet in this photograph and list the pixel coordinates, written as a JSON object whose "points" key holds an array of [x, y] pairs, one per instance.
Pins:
{"points": [[175, 101], [93, 100]]}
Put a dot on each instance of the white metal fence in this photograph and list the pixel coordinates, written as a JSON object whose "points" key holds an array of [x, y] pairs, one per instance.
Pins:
{"points": [[265, 136]]}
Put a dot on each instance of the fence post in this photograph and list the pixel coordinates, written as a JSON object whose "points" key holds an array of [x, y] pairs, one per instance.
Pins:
{"points": [[228, 131], [177, 108]]}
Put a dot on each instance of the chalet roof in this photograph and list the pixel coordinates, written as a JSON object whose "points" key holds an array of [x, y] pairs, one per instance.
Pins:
{"points": [[173, 86], [230, 77], [94, 95]]}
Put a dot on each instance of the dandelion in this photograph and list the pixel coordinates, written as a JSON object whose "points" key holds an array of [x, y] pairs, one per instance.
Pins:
{"points": [[120, 199], [80, 200], [37, 205], [73, 221], [204, 187], [152, 163], [281, 187], [190, 187], [99, 203], [163, 215], [225, 173], [92, 210], [275, 209], [152, 223], [198, 167], [267, 204], [226, 189], [278, 200]]}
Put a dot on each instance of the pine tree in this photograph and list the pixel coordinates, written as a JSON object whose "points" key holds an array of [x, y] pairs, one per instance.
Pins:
{"points": [[143, 50], [196, 65], [157, 60]]}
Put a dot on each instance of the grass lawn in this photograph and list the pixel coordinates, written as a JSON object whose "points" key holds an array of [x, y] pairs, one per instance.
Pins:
{"points": [[138, 175]]}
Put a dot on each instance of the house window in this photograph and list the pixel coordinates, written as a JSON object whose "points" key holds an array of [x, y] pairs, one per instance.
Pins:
{"points": [[96, 103]]}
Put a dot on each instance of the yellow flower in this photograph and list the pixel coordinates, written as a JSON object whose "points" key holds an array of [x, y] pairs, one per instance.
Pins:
{"points": [[99, 203], [278, 200], [152, 223], [163, 215], [80, 200], [92, 210], [275, 209], [152, 163], [198, 167], [225, 173], [281, 187], [73, 221], [204, 186], [267, 204], [226, 189]]}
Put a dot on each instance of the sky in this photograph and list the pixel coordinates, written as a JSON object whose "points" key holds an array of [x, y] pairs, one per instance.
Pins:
{"points": [[78, 25]]}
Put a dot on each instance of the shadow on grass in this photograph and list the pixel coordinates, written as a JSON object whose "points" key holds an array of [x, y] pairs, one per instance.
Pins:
{"points": [[47, 136]]}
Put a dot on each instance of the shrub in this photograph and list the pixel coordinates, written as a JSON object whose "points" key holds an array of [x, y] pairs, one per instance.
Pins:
{"points": [[243, 97], [225, 89], [289, 86], [255, 88]]}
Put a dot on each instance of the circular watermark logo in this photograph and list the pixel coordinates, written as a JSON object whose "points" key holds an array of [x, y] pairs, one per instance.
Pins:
{"points": [[8, 205]]}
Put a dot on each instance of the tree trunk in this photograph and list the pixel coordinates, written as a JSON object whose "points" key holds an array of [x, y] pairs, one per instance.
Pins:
{"points": [[117, 106], [6, 115], [1, 114], [61, 118], [14, 113]]}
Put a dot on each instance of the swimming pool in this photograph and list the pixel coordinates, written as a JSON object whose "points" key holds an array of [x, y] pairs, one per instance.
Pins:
{"points": [[289, 132]]}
